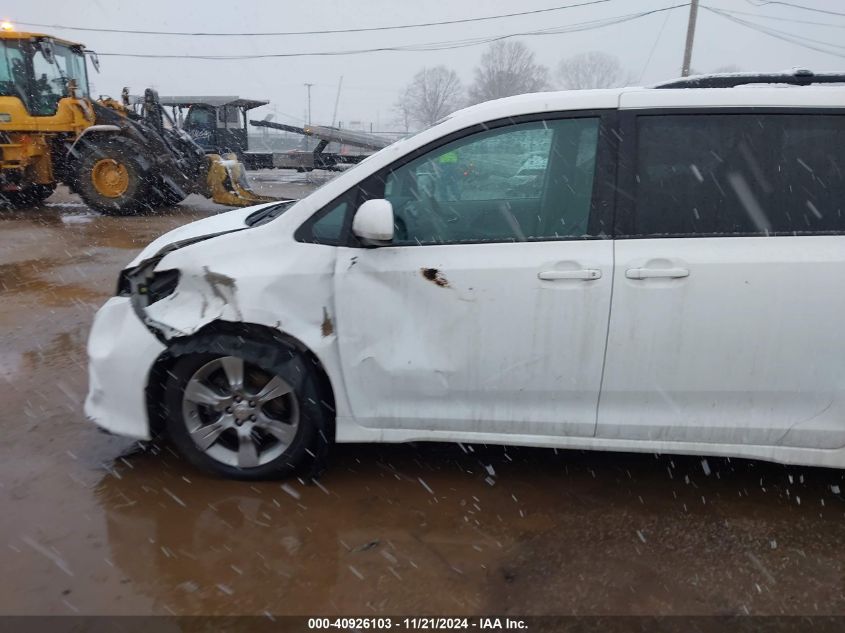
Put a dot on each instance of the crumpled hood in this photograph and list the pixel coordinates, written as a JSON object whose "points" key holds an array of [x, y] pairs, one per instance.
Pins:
{"points": [[227, 221]]}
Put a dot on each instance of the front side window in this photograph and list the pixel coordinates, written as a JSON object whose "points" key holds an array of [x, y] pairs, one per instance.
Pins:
{"points": [[26, 73], [200, 125], [228, 117], [47, 85], [13, 72], [71, 62], [200, 118], [50, 78], [518, 182], [739, 174]]}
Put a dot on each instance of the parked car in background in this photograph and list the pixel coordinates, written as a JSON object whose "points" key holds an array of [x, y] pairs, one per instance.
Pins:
{"points": [[528, 180]]}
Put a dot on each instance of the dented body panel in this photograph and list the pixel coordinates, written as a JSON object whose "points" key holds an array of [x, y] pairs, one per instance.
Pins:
{"points": [[291, 280], [467, 338]]}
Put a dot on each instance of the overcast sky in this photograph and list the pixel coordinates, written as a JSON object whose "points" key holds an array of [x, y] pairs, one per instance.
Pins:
{"points": [[371, 82]]}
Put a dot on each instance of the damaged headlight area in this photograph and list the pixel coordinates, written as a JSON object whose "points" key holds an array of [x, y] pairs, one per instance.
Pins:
{"points": [[144, 286], [162, 284], [157, 284]]}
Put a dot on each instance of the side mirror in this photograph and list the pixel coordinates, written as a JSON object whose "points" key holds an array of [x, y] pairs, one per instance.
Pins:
{"points": [[373, 222]]}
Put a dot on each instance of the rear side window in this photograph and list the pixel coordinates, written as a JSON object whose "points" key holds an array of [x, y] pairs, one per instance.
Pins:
{"points": [[738, 175]]}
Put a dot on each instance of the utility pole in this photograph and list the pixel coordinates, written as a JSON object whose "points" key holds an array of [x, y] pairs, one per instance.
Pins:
{"points": [[693, 14], [309, 101]]}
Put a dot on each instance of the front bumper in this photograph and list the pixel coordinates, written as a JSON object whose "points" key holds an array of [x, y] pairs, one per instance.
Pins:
{"points": [[121, 354]]}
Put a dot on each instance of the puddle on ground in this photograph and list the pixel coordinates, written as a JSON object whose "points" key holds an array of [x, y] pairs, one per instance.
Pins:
{"points": [[89, 527]]}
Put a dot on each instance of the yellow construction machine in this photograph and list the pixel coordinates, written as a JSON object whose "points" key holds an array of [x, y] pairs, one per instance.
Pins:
{"points": [[120, 159]]}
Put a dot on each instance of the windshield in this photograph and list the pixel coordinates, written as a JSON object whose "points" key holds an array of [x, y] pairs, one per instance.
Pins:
{"points": [[26, 73]]}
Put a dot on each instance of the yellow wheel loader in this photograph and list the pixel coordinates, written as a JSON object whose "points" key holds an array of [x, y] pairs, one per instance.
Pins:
{"points": [[118, 159]]}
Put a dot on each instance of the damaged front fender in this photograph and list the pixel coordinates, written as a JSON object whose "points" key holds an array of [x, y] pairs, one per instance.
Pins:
{"points": [[202, 296], [139, 283], [265, 279]]}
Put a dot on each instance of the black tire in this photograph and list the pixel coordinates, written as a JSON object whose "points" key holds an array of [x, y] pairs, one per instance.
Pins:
{"points": [[32, 196], [164, 195], [277, 358], [128, 154]]}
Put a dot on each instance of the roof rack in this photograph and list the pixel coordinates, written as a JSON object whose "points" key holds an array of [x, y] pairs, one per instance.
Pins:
{"points": [[797, 77]]}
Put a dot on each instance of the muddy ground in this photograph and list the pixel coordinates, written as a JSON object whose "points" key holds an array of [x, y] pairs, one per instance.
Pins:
{"points": [[91, 525]]}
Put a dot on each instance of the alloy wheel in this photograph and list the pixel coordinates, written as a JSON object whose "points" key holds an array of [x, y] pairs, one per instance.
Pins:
{"points": [[239, 414]]}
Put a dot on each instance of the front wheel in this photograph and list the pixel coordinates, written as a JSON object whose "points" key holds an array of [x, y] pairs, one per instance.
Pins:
{"points": [[113, 177], [244, 409]]}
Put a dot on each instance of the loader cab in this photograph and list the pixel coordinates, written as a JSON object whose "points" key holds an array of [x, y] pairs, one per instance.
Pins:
{"points": [[41, 70], [217, 124], [201, 125], [217, 130]]}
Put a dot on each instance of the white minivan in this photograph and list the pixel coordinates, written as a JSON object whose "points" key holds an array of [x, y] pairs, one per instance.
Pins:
{"points": [[668, 279]]}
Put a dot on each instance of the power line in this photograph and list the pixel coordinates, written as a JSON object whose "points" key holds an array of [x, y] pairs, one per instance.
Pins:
{"points": [[319, 32], [772, 31], [654, 46], [785, 36], [782, 19], [430, 46], [797, 6]]}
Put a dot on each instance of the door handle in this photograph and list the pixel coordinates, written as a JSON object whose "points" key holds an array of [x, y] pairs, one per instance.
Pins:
{"points": [[653, 273], [587, 274]]}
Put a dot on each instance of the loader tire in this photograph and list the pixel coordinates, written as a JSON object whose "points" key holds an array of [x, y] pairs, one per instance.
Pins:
{"points": [[32, 196], [114, 177]]}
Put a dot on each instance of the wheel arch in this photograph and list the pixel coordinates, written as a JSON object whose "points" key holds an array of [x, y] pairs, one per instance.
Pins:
{"points": [[74, 148], [159, 371], [89, 133], [97, 134]]}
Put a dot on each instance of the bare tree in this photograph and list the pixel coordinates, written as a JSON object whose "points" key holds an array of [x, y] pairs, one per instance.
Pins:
{"points": [[507, 68], [402, 107], [592, 69], [432, 94]]}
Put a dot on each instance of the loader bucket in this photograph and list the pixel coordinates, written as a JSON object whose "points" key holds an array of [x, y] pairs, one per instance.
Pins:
{"points": [[227, 183]]}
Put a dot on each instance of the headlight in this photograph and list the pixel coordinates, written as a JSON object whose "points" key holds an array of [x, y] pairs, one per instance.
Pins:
{"points": [[161, 285]]}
